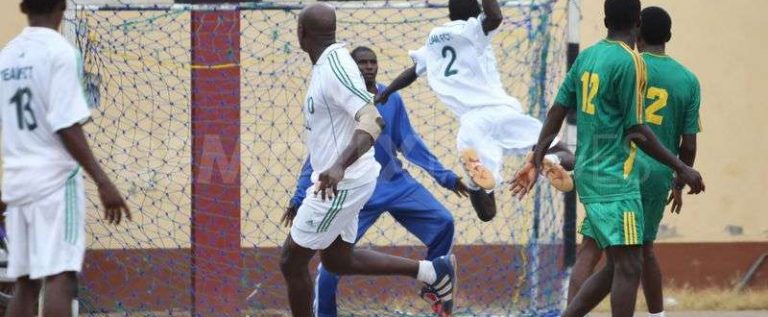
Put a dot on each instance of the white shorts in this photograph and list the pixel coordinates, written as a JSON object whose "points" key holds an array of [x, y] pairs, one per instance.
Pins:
{"points": [[496, 132], [47, 237], [318, 223]]}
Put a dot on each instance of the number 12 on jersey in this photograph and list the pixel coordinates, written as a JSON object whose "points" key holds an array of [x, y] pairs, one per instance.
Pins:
{"points": [[589, 85]]}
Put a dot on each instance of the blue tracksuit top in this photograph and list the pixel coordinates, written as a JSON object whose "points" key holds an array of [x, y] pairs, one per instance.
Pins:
{"points": [[398, 135]]}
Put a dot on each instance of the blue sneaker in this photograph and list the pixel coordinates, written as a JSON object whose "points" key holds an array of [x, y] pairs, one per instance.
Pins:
{"points": [[441, 294]]}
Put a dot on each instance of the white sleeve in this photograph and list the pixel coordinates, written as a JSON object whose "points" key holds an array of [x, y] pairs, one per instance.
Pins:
{"points": [[419, 58], [346, 85], [66, 99], [473, 30]]}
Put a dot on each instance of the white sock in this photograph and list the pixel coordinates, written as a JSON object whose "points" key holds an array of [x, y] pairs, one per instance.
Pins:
{"points": [[552, 158], [426, 273], [661, 314]]}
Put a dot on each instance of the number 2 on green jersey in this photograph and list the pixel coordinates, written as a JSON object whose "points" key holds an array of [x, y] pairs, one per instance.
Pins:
{"points": [[659, 97], [589, 85]]}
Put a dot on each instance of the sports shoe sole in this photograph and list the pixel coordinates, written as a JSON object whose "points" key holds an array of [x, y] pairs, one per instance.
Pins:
{"points": [[479, 174]]}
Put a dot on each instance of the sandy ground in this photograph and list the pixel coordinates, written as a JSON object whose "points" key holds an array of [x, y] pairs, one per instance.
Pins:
{"points": [[761, 313]]}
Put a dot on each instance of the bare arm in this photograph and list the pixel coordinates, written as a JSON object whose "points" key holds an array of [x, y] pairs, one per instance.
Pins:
{"points": [[549, 132], [493, 15], [362, 141], [688, 149], [644, 138], [77, 145], [405, 79]]}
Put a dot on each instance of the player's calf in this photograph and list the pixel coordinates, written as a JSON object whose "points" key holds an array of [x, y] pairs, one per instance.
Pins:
{"points": [[60, 292], [24, 298], [484, 204], [628, 268]]}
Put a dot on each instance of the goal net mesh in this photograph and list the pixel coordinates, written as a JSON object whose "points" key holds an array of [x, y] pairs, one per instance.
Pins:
{"points": [[138, 65]]}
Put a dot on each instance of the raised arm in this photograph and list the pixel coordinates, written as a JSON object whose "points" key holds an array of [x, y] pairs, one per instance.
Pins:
{"points": [[416, 151], [493, 15], [405, 79]]}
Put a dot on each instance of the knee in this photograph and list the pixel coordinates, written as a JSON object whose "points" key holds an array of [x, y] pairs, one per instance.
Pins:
{"points": [[648, 254], [630, 266], [445, 219], [335, 266]]}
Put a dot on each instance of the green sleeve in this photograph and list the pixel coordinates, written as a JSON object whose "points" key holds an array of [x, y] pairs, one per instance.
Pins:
{"points": [[566, 96], [631, 81], [692, 120]]}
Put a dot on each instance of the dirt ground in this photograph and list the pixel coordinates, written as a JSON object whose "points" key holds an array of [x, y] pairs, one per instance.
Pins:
{"points": [[753, 313]]}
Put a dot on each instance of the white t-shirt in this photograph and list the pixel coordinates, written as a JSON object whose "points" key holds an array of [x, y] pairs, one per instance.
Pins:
{"points": [[336, 93], [40, 94], [460, 64]]}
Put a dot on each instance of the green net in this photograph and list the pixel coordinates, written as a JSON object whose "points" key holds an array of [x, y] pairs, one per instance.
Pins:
{"points": [[138, 65]]}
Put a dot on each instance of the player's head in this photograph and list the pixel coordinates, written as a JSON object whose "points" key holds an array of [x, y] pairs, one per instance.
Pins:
{"points": [[622, 15], [317, 23], [367, 62], [656, 28], [463, 9], [51, 10]]}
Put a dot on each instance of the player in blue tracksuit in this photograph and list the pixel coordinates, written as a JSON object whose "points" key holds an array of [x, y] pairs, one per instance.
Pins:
{"points": [[397, 192]]}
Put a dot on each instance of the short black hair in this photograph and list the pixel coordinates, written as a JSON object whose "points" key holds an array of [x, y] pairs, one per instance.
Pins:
{"points": [[361, 49], [656, 28], [621, 14], [463, 9], [35, 7]]}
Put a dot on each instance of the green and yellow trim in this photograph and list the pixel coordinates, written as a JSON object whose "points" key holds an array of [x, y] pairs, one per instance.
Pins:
{"points": [[629, 163], [640, 80], [630, 229]]}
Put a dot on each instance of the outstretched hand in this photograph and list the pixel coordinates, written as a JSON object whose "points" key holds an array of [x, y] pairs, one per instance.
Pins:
{"points": [[460, 189], [524, 179]]}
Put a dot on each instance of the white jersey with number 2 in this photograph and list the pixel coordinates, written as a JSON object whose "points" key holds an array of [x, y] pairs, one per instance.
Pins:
{"points": [[40, 94], [460, 64]]}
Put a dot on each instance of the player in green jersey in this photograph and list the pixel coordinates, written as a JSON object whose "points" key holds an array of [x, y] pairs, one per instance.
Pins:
{"points": [[607, 86], [672, 112]]}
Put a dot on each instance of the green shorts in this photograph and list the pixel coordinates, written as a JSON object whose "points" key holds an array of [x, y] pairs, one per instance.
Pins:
{"points": [[653, 211], [614, 223]]}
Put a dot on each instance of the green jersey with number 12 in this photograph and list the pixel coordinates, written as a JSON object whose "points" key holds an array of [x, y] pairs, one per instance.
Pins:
{"points": [[606, 86]]}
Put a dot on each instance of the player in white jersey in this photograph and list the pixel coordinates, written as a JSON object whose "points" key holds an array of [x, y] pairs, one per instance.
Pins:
{"points": [[341, 126], [43, 150], [460, 65]]}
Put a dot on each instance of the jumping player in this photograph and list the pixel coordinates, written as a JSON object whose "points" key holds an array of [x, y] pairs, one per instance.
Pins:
{"points": [[460, 65], [44, 148], [342, 125], [606, 87], [672, 112], [397, 192]]}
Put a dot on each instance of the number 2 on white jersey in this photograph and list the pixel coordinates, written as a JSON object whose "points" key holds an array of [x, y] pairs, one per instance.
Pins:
{"points": [[448, 71]]}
